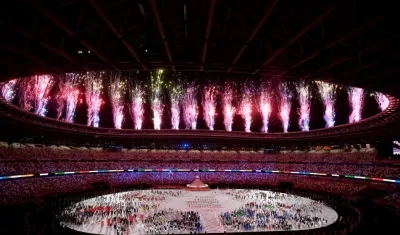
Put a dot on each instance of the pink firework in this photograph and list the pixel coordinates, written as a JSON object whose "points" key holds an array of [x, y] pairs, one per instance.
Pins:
{"points": [[327, 92], [189, 106], [209, 105], [43, 85], [246, 107], [116, 89], [94, 89], [265, 108], [175, 114], [155, 92], [383, 100], [285, 104], [303, 90], [72, 101], [67, 96], [228, 109], [356, 100], [26, 94], [61, 98], [175, 94], [137, 107], [8, 89]]}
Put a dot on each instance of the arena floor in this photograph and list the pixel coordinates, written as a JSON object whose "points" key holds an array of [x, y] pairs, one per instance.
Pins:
{"points": [[219, 211]]}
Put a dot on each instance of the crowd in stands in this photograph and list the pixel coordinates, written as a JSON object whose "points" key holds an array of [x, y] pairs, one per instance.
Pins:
{"points": [[16, 159], [27, 159], [35, 167], [13, 191], [17, 151], [392, 200]]}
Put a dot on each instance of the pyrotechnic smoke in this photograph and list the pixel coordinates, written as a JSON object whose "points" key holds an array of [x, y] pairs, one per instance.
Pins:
{"points": [[382, 100], [61, 98], [303, 90], [175, 94], [265, 107], [327, 92], [8, 89], [227, 106], [189, 106], [285, 104], [94, 88], [246, 106], [209, 105], [67, 96], [356, 99], [137, 107], [156, 98], [116, 89], [26, 95], [43, 85]]}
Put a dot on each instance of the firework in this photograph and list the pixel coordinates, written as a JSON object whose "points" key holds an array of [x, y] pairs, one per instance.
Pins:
{"points": [[156, 85], [228, 108], [265, 108], [8, 89], [303, 90], [43, 85], [116, 91], [71, 103], [189, 106], [382, 100], [26, 95], [67, 96], [137, 107], [61, 98], [246, 107], [209, 105], [356, 100], [175, 95], [94, 88], [327, 92], [285, 104]]}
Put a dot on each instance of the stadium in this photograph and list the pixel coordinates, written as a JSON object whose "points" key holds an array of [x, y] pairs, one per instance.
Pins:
{"points": [[189, 116]]}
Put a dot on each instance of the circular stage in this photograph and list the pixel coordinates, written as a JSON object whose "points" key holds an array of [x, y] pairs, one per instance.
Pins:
{"points": [[182, 212]]}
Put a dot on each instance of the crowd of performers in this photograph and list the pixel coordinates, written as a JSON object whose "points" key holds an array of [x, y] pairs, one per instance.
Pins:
{"points": [[131, 212], [148, 212], [266, 210], [173, 221]]}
